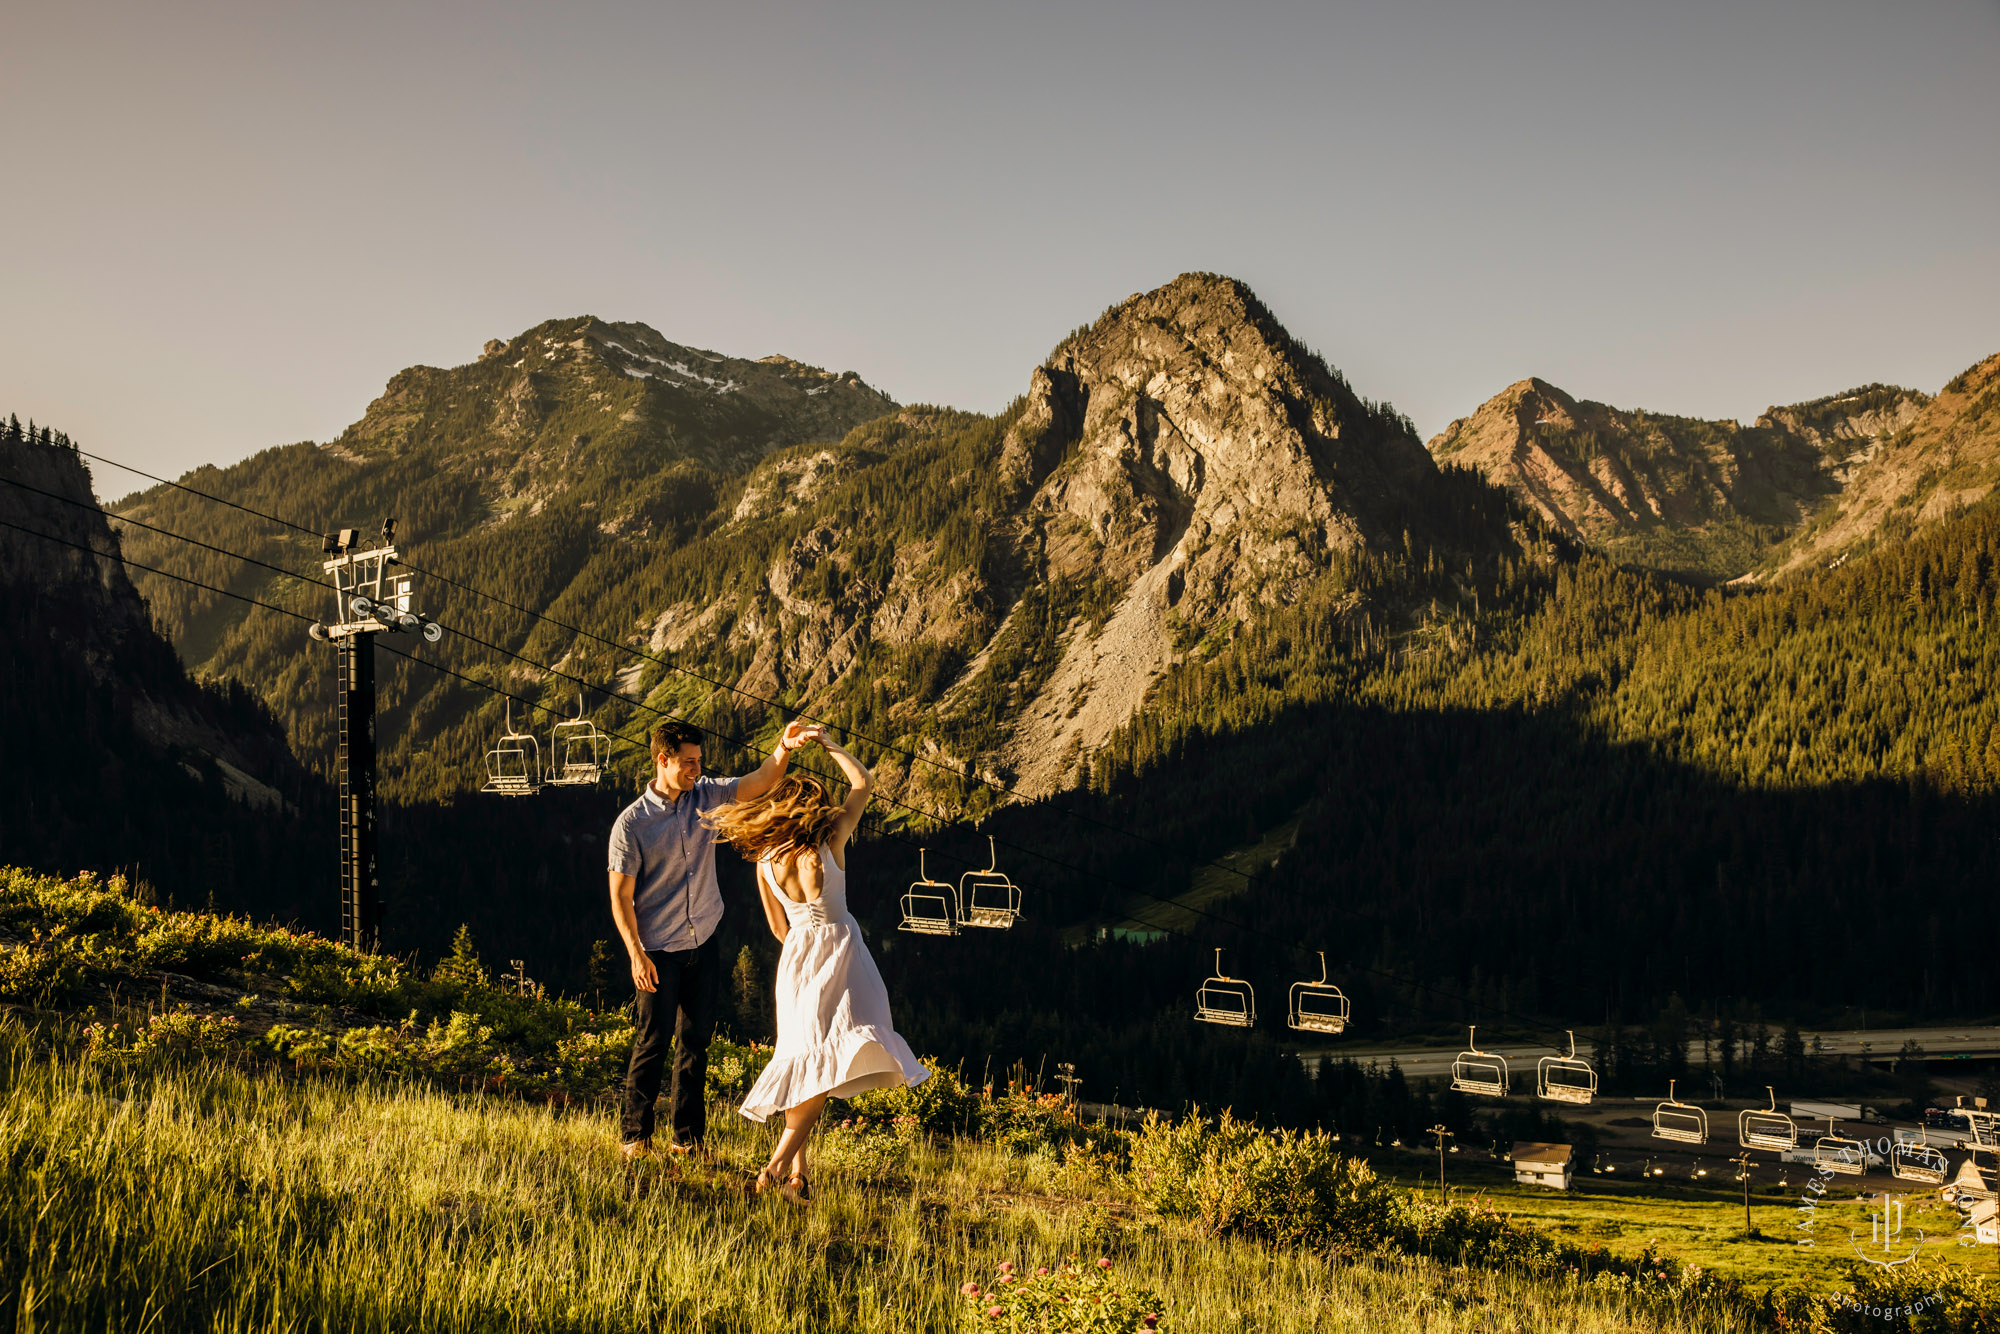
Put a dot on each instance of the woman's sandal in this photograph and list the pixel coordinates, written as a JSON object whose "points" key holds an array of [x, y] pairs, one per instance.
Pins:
{"points": [[796, 1189]]}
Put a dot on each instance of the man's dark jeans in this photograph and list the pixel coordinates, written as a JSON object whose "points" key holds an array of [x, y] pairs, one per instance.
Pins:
{"points": [[681, 1009]]}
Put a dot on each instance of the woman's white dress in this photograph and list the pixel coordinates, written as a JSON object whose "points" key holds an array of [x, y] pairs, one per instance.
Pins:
{"points": [[834, 1033]]}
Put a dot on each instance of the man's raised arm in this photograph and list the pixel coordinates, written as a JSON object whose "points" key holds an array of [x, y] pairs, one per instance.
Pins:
{"points": [[754, 785]]}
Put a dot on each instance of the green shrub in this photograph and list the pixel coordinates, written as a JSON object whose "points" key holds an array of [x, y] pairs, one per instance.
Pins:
{"points": [[732, 1068], [1085, 1298], [45, 969], [1289, 1186], [942, 1104]]}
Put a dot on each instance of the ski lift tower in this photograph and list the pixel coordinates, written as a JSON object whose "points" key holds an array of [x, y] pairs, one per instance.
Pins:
{"points": [[369, 599]]}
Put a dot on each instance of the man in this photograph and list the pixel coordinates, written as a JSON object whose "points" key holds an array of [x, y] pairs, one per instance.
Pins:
{"points": [[667, 906]]}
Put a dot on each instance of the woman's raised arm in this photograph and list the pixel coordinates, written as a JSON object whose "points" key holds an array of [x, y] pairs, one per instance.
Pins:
{"points": [[860, 784]]}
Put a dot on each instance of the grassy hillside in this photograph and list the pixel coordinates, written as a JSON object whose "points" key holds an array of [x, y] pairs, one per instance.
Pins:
{"points": [[277, 1161]]}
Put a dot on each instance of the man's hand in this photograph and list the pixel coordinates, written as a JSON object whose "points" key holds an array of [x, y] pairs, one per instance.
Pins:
{"points": [[644, 975]]}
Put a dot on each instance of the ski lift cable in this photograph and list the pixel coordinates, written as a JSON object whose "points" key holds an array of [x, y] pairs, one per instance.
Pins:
{"points": [[164, 532], [1292, 946], [880, 827], [914, 756], [1247, 877]]}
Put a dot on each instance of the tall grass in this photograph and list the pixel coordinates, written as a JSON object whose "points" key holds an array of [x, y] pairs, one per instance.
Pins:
{"points": [[213, 1196]]}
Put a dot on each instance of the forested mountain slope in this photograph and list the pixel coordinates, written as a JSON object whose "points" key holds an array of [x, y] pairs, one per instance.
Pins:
{"points": [[1189, 590], [1708, 498], [114, 758], [1008, 588]]}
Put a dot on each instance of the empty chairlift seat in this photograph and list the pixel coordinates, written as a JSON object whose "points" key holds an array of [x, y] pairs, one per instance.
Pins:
{"points": [[1318, 1007], [1679, 1121], [990, 898], [1838, 1153], [1769, 1129], [1568, 1078], [1913, 1158], [1480, 1072], [930, 907], [1225, 1000], [576, 750], [514, 765]]}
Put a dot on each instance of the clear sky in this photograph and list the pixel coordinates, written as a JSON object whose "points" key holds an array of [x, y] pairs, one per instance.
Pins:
{"points": [[226, 225]]}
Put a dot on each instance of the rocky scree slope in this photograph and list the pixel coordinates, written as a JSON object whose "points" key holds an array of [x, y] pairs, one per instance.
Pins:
{"points": [[1700, 497], [1009, 589]]}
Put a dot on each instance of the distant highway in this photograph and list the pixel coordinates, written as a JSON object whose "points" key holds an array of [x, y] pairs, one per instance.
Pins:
{"points": [[1874, 1045]]}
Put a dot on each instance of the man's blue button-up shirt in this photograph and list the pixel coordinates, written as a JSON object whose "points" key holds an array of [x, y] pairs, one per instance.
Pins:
{"points": [[662, 842]]}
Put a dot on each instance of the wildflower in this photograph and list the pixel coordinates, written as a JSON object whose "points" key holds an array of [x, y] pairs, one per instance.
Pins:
{"points": [[1006, 1278], [1006, 1266], [970, 1289], [1103, 1263], [995, 1311], [1150, 1321], [1042, 1270]]}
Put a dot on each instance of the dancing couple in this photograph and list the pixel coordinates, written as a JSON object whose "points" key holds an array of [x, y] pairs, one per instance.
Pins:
{"points": [[835, 1038]]}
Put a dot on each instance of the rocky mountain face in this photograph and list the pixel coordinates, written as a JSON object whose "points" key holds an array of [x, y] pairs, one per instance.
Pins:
{"points": [[1701, 497], [1175, 470], [1006, 587], [1936, 462]]}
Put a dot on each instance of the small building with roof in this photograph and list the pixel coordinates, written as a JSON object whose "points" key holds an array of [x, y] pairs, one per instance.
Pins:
{"points": [[1542, 1165]]}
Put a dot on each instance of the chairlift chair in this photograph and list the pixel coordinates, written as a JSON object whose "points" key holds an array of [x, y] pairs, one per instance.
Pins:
{"points": [[1566, 1078], [514, 765], [1476, 1071], [1679, 1121], [990, 898], [1769, 1129], [1840, 1153], [1225, 1000], [930, 907], [1917, 1160], [1318, 1007], [576, 750]]}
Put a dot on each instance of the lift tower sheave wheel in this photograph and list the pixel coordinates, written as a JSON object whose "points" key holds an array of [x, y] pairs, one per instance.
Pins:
{"points": [[369, 598]]}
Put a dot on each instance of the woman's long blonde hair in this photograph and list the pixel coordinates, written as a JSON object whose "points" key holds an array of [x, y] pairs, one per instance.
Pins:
{"points": [[798, 813]]}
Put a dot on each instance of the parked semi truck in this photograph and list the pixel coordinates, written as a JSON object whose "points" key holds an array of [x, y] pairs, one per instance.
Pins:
{"points": [[1839, 1111]]}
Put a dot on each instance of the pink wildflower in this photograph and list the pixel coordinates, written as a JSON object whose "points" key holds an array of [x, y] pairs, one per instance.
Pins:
{"points": [[1006, 1266], [1103, 1264], [1043, 1270], [995, 1311], [970, 1289], [1006, 1278]]}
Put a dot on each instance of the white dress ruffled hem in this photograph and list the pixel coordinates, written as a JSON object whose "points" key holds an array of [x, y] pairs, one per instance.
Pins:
{"points": [[835, 1035]]}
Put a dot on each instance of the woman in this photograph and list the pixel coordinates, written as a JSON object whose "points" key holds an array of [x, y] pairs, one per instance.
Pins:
{"points": [[835, 1038]]}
